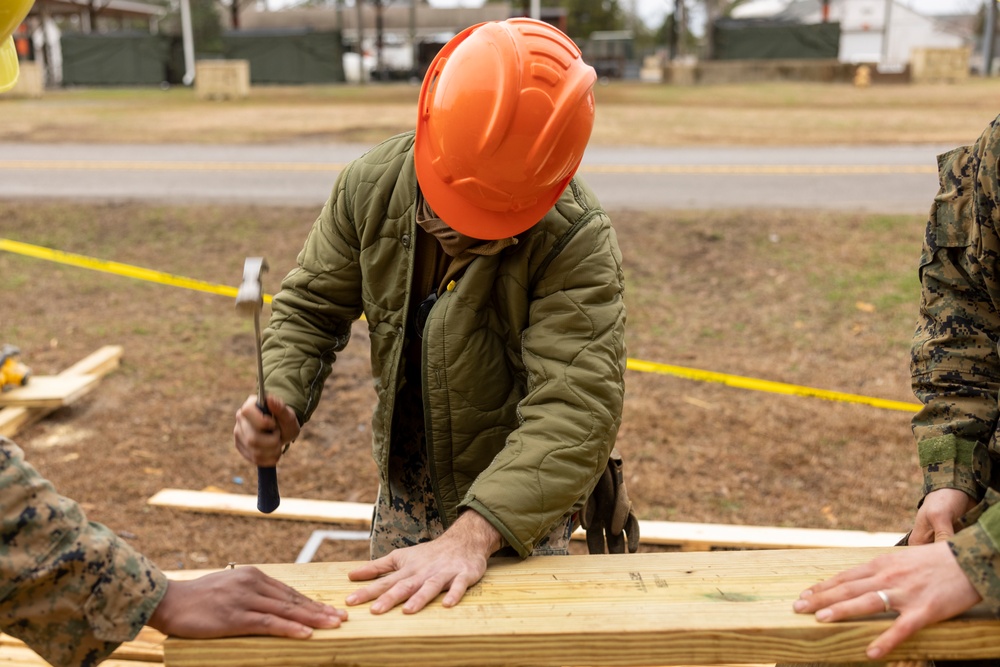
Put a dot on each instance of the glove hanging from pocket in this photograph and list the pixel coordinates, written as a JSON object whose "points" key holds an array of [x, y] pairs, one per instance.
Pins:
{"points": [[607, 515]]}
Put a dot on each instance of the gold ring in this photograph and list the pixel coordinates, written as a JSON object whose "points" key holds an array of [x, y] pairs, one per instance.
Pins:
{"points": [[884, 597]]}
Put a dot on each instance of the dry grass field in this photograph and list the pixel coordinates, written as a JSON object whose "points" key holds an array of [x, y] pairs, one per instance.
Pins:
{"points": [[812, 299], [628, 113]]}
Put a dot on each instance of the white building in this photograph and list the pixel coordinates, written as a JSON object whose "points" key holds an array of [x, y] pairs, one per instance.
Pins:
{"points": [[872, 31]]}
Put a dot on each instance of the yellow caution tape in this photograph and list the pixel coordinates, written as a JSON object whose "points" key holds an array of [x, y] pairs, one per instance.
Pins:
{"points": [[737, 381], [766, 385], [116, 268]]}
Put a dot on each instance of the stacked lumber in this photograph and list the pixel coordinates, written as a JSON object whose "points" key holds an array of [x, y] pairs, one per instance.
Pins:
{"points": [[685, 536], [676, 608], [43, 394]]}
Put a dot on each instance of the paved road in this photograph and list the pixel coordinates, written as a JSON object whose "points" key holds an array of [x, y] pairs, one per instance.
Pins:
{"points": [[892, 179]]}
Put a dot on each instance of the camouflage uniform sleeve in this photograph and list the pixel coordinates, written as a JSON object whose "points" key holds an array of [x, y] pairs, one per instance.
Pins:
{"points": [[955, 368], [977, 549], [69, 588]]}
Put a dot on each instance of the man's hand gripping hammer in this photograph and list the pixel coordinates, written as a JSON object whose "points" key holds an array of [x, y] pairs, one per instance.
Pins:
{"points": [[249, 300]]}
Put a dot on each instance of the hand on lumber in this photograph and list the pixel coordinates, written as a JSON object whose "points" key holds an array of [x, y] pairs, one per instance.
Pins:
{"points": [[925, 584], [241, 601], [261, 438], [936, 518], [416, 575]]}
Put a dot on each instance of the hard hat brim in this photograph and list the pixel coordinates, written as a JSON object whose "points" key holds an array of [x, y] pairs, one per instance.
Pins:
{"points": [[8, 65], [468, 219]]}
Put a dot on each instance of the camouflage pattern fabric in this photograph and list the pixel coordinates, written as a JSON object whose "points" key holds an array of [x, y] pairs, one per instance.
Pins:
{"points": [[954, 363], [69, 588], [955, 366], [406, 512], [976, 549]]}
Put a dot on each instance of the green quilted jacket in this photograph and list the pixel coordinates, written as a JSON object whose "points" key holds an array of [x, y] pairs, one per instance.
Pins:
{"points": [[524, 354]]}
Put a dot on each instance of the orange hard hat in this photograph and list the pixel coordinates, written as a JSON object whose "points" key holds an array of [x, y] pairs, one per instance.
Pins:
{"points": [[12, 12], [505, 113]]}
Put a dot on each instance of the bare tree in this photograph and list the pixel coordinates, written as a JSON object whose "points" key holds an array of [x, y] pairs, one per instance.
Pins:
{"points": [[234, 7], [715, 9], [94, 9]]}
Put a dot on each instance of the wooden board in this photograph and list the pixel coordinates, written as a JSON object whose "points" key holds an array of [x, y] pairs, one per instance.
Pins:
{"points": [[704, 536], [48, 391], [99, 363], [674, 608], [299, 509], [145, 650], [688, 536]]}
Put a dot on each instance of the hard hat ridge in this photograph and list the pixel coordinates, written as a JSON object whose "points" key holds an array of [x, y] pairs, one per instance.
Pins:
{"points": [[505, 113]]}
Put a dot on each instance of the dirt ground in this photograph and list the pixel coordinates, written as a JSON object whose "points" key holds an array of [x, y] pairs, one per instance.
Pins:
{"points": [[817, 300]]}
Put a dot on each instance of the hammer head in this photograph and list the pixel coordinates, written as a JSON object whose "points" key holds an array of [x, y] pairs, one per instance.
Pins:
{"points": [[250, 295]]}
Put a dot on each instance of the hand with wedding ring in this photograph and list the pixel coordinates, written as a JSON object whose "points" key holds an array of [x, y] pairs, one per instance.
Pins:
{"points": [[925, 584]]}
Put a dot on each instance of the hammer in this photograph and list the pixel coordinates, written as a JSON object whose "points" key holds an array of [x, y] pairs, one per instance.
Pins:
{"points": [[249, 300]]}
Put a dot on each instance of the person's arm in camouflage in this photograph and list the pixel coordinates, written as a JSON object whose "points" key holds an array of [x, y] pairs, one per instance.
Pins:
{"points": [[954, 365], [70, 589], [73, 591], [977, 548]]}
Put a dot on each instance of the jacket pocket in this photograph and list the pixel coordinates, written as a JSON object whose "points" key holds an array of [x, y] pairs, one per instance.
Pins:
{"points": [[953, 212]]}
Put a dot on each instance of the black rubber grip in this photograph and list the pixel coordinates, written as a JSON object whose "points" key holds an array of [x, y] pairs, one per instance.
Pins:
{"points": [[267, 490], [268, 497]]}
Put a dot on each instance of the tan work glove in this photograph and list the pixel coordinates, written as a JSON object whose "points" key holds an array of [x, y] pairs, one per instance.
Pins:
{"points": [[607, 515]]}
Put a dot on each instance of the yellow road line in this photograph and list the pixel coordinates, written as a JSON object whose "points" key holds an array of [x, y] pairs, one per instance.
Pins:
{"points": [[130, 165], [737, 381], [751, 169], [720, 169]]}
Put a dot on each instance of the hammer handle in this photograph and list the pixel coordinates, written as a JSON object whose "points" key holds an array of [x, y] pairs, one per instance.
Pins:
{"points": [[268, 498], [267, 489]]}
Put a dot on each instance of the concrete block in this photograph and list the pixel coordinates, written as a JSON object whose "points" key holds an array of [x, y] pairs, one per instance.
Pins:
{"points": [[222, 79], [30, 81]]}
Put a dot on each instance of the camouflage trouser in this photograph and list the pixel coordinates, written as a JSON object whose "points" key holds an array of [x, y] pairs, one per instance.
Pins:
{"points": [[406, 512]]}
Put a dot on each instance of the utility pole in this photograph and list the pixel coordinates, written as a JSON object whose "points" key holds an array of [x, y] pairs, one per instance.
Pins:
{"points": [[885, 32], [379, 34], [680, 23], [989, 36], [414, 49], [187, 37], [361, 43]]}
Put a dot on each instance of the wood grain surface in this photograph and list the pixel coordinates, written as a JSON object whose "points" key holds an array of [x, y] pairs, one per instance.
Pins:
{"points": [[640, 609]]}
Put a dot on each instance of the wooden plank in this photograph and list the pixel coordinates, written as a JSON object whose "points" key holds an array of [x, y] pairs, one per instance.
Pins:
{"points": [[703, 536], [298, 509], [690, 536], [48, 391], [145, 649], [98, 363], [675, 608]]}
